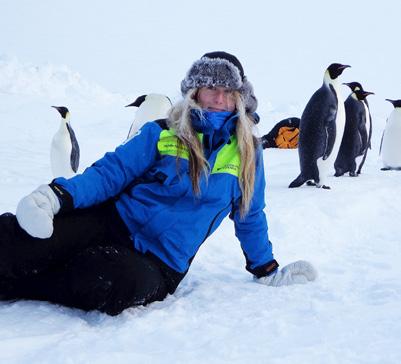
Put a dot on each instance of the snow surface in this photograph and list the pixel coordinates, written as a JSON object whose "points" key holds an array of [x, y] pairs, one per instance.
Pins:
{"points": [[95, 57]]}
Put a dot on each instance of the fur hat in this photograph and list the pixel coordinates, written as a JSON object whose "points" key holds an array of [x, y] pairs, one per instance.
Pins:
{"points": [[220, 69]]}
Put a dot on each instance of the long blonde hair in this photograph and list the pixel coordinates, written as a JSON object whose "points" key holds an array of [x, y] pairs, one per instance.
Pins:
{"points": [[179, 120]]}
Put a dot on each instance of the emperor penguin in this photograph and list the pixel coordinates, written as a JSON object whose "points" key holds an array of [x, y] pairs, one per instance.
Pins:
{"points": [[320, 130], [64, 150], [390, 146], [150, 107], [357, 132], [355, 86]]}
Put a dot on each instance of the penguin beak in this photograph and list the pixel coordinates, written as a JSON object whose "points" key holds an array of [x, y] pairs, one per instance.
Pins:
{"points": [[131, 104], [348, 84], [344, 66], [367, 93]]}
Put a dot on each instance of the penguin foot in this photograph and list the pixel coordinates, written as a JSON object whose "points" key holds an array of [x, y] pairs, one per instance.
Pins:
{"points": [[299, 181], [391, 169], [339, 171], [323, 186], [311, 183], [353, 174]]}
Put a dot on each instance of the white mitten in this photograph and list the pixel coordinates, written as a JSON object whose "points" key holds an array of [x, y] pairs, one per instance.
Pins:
{"points": [[294, 273], [35, 212]]}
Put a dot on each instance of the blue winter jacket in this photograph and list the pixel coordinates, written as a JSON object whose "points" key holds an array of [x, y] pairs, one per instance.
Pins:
{"points": [[155, 199]]}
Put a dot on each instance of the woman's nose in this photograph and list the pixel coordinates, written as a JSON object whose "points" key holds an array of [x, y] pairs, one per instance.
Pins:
{"points": [[219, 97]]}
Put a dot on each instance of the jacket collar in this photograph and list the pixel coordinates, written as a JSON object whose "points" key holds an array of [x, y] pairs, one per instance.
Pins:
{"points": [[211, 122], [216, 127]]}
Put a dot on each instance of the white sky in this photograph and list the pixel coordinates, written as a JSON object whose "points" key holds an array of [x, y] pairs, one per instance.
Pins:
{"points": [[144, 46]]}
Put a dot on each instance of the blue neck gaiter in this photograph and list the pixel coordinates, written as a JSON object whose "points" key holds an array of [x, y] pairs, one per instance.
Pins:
{"points": [[216, 126], [216, 119]]}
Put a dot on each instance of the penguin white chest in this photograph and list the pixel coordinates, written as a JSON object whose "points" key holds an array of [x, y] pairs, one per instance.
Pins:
{"points": [[367, 121], [340, 125], [391, 145], [60, 154]]}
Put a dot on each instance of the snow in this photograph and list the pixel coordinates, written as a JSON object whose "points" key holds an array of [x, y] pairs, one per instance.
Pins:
{"points": [[95, 58]]}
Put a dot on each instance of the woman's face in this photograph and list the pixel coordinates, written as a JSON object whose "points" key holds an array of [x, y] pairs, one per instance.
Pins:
{"points": [[216, 99]]}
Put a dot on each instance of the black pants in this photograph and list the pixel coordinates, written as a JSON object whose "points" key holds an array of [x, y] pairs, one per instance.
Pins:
{"points": [[88, 263]]}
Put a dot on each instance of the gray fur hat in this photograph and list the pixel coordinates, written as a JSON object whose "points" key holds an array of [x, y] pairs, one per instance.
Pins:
{"points": [[220, 69]]}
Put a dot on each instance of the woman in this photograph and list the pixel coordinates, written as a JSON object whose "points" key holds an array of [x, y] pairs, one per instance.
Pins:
{"points": [[125, 231]]}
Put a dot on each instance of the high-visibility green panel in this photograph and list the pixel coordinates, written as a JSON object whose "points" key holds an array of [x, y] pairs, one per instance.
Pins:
{"points": [[168, 145], [227, 161]]}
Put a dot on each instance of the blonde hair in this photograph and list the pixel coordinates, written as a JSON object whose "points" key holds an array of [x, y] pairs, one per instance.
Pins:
{"points": [[179, 119]]}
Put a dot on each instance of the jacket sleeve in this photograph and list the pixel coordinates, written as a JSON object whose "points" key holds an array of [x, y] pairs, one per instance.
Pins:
{"points": [[252, 230], [108, 176]]}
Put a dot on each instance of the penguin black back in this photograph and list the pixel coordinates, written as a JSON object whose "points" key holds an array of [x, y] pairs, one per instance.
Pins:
{"points": [[361, 95], [316, 140], [354, 139], [323, 102]]}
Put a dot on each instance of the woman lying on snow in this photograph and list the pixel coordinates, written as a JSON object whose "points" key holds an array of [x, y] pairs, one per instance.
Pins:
{"points": [[125, 231]]}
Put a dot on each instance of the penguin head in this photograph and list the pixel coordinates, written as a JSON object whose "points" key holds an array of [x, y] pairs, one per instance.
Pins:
{"points": [[361, 94], [354, 86], [150, 97], [138, 101], [63, 111], [336, 69], [396, 103]]}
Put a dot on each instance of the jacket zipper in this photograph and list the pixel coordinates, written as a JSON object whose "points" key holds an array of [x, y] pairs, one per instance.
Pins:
{"points": [[213, 221]]}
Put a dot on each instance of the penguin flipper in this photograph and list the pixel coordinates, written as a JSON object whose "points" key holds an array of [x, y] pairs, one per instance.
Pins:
{"points": [[330, 130], [364, 149], [363, 134], [381, 144], [368, 143], [370, 132], [75, 153], [319, 119], [297, 182], [130, 131]]}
